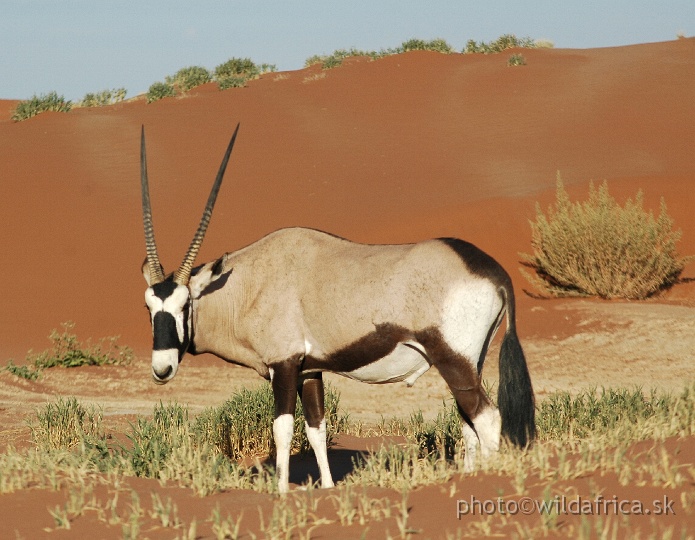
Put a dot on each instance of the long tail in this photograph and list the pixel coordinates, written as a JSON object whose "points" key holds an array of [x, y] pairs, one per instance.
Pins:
{"points": [[515, 396]]}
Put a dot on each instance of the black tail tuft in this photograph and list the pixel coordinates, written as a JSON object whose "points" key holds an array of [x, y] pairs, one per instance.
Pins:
{"points": [[515, 397]]}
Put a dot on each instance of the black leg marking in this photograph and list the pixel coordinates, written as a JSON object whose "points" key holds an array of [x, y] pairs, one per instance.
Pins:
{"points": [[463, 380], [311, 392], [285, 380]]}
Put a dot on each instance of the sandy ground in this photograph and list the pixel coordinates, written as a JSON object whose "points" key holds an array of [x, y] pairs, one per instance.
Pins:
{"points": [[405, 148]]}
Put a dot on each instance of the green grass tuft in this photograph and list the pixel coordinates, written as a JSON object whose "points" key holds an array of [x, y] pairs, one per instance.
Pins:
{"points": [[577, 435], [243, 425], [65, 424], [516, 60]]}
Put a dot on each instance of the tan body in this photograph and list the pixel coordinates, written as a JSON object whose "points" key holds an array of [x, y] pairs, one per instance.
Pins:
{"points": [[304, 292]]}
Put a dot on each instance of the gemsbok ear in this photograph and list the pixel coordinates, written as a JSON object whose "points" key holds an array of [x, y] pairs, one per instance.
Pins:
{"points": [[210, 277], [146, 272]]}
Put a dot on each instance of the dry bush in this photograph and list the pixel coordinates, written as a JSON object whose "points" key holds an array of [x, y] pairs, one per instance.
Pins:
{"points": [[598, 248]]}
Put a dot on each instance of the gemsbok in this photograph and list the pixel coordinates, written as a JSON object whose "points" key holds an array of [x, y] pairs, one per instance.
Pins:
{"points": [[299, 302]]}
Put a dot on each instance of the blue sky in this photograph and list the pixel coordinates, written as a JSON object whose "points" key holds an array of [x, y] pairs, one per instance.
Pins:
{"points": [[75, 47]]}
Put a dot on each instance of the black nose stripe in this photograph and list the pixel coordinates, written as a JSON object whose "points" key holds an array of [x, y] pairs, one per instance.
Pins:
{"points": [[165, 334]]}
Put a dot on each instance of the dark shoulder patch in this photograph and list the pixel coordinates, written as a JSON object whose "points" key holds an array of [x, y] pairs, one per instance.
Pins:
{"points": [[477, 261]]}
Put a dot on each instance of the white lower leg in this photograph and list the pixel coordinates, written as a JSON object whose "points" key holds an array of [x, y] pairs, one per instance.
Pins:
{"points": [[283, 428], [488, 424], [470, 441], [317, 440]]}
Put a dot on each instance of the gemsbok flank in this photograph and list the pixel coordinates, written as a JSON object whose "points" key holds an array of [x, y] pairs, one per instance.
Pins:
{"points": [[299, 302]]}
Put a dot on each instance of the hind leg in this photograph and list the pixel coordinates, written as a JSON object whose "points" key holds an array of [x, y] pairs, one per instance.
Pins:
{"points": [[481, 420], [481, 425], [487, 428]]}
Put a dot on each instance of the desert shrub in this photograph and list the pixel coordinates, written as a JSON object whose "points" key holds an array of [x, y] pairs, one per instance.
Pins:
{"points": [[29, 373], [38, 104], [243, 425], [598, 248], [235, 72], [437, 45], [189, 77], [504, 42], [516, 60], [67, 351], [336, 58], [105, 97], [160, 90], [65, 424]]}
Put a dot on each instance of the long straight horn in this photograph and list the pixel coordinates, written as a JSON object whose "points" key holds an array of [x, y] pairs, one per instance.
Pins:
{"points": [[155, 268], [183, 274]]}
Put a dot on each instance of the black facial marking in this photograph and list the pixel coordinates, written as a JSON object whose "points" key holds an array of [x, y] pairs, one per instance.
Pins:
{"points": [[216, 285], [164, 289], [165, 335]]}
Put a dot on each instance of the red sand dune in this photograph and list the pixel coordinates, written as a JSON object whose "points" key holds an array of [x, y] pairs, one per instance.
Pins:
{"points": [[395, 150]]}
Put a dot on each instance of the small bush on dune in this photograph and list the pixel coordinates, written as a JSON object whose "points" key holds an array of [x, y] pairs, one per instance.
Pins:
{"points": [[38, 104], [336, 58], [598, 248], [502, 43], [189, 77], [516, 60], [67, 351], [160, 90], [103, 98], [437, 45], [235, 72]]}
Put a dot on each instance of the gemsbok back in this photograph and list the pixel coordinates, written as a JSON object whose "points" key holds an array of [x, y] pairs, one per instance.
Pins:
{"points": [[299, 302]]}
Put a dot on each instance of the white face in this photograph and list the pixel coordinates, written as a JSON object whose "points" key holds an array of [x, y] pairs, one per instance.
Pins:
{"points": [[169, 306]]}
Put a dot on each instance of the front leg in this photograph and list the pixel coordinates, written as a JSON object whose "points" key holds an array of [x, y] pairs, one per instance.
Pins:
{"points": [[312, 395], [284, 378]]}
